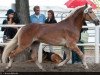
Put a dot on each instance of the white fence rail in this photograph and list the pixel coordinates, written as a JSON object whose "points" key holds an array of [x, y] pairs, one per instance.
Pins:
{"points": [[96, 44]]}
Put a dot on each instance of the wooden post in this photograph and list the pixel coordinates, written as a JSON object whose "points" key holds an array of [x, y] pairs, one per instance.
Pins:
{"points": [[22, 9]]}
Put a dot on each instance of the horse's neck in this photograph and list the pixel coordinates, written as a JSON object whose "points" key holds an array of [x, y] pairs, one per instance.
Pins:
{"points": [[77, 19]]}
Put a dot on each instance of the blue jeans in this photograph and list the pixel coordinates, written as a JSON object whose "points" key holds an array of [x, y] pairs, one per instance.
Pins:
{"points": [[75, 57]]}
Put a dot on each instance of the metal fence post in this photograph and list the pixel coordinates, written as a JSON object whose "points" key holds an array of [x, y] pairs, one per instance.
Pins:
{"points": [[96, 44]]}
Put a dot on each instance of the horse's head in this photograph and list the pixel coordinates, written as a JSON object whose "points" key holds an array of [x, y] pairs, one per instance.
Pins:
{"points": [[89, 15]]}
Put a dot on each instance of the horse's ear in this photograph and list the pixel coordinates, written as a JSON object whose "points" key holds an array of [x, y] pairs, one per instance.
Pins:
{"points": [[86, 5], [85, 8]]}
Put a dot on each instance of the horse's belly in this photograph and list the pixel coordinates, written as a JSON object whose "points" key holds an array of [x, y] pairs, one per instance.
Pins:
{"points": [[55, 41], [53, 38], [62, 42]]}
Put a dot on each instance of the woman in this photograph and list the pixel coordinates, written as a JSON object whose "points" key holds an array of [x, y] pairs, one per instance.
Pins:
{"points": [[9, 32], [51, 17]]}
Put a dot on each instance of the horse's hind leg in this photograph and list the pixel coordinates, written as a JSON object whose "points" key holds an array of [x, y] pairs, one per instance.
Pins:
{"points": [[9, 64], [67, 52], [12, 55], [35, 47]]}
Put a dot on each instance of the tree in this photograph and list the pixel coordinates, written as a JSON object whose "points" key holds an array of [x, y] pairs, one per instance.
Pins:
{"points": [[22, 8]]}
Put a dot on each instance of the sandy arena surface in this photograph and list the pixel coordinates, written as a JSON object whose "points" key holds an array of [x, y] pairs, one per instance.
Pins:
{"points": [[50, 67]]}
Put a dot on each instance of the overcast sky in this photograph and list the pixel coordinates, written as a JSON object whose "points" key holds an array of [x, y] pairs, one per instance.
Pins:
{"points": [[37, 2]]}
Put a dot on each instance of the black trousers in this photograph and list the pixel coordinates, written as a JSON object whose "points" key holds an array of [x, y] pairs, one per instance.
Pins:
{"points": [[9, 33], [75, 57]]}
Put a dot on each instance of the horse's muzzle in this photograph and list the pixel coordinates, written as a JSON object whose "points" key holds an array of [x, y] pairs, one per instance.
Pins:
{"points": [[96, 22]]}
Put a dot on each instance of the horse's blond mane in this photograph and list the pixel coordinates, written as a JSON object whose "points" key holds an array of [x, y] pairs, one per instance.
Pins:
{"points": [[73, 11]]}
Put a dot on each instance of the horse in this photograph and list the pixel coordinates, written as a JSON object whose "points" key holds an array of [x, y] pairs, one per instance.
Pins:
{"points": [[64, 33]]}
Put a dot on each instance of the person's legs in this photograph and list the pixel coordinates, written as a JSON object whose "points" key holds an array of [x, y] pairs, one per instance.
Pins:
{"points": [[75, 57], [82, 49], [64, 56]]}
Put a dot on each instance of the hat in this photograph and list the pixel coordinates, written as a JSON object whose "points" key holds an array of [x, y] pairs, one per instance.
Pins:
{"points": [[9, 11]]}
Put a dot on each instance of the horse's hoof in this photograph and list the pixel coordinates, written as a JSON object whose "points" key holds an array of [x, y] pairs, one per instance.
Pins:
{"points": [[43, 69], [55, 67], [6, 69], [86, 67], [60, 64]]}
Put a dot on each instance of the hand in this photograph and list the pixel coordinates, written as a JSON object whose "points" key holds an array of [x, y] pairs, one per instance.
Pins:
{"points": [[10, 21]]}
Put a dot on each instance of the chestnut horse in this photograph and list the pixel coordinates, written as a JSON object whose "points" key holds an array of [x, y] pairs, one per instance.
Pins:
{"points": [[64, 33]]}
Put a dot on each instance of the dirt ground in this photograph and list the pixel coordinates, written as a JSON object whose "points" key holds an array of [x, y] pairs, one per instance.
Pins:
{"points": [[50, 67]]}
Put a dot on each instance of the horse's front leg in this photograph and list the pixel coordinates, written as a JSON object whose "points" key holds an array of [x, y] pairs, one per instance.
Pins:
{"points": [[34, 56], [75, 48], [68, 57]]}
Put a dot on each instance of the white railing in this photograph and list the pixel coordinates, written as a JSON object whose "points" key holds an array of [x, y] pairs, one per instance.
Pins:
{"points": [[96, 44]]}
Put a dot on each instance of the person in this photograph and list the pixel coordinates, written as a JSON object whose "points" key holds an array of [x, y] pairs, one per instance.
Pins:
{"points": [[51, 56], [9, 32], [50, 19], [75, 57], [37, 17]]}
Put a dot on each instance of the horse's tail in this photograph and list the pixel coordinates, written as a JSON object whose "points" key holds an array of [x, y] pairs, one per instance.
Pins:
{"points": [[9, 47]]}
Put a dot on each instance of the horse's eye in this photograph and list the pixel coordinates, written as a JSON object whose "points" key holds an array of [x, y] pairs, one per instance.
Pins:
{"points": [[90, 12]]}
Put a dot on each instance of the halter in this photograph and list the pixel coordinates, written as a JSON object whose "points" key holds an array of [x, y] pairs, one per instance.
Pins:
{"points": [[86, 12], [89, 16]]}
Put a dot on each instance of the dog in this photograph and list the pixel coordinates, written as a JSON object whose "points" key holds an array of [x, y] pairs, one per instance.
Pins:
{"points": [[49, 56], [53, 57]]}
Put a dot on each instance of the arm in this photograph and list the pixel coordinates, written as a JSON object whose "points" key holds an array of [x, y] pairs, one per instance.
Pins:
{"points": [[44, 18], [46, 21], [3, 28], [55, 21], [31, 18]]}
